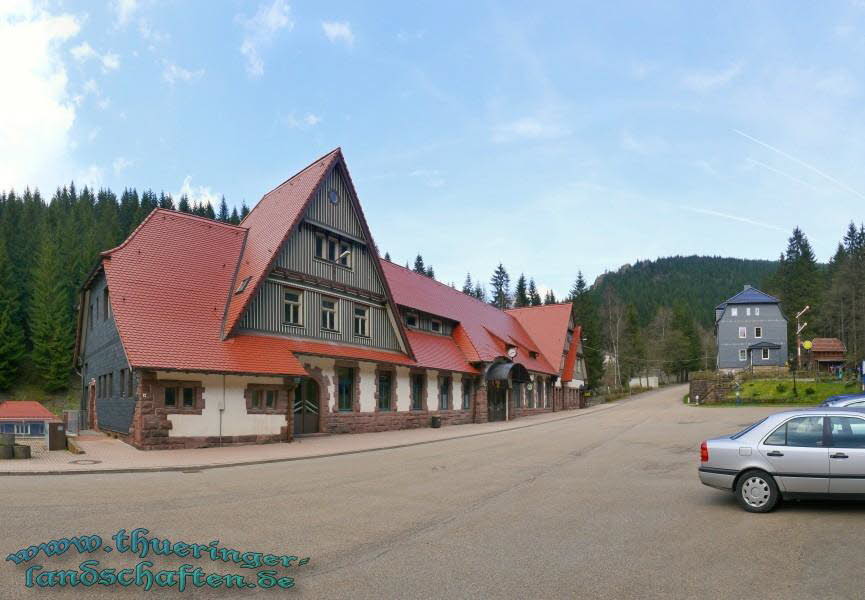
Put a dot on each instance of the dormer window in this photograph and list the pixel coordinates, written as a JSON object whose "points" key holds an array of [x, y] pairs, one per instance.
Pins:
{"points": [[533, 354], [242, 285], [435, 325], [411, 320], [333, 250]]}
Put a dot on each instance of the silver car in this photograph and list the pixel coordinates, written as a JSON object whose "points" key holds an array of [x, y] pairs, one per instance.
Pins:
{"points": [[809, 453], [845, 400]]}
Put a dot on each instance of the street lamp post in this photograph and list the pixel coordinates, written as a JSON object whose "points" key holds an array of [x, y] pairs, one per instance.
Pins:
{"points": [[799, 329]]}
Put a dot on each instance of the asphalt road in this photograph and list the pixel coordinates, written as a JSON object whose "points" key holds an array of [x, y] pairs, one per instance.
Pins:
{"points": [[604, 505]]}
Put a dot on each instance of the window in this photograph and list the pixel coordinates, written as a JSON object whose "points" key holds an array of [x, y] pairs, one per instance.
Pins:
{"points": [[22, 428], [188, 397], [106, 305], [734, 312], [255, 403], [802, 432], [518, 395], [765, 354], [122, 382], [130, 385], [292, 307], [758, 332], [328, 314], [444, 393], [847, 432], [530, 396], [756, 311], [110, 391], [748, 311], [411, 320], [743, 332], [385, 385], [540, 384], [270, 399], [345, 388], [171, 397], [743, 355], [467, 393], [320, 244], [331, 249], [345, 254], [361, 320], [240, 289], [418, 381], [435, 325]]}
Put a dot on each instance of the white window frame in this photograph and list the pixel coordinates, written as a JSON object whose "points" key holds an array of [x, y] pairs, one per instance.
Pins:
{"points": [[363, 318], [412, 316], [758, 332], [22, 428], [334, 311], [323, 238], [734, 312], [765, 354], [348, 248], [743, 355], [748, 311], [756, 311], [743, 333], [299, 304], [433, 328]]}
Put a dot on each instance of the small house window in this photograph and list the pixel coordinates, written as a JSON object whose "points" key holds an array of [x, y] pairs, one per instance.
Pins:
{"points": [[748, 311], [345, 254], [758, 332], [242, 285], [345, 379], [418, 381], [757, 311], [106, 305], [122, 382], [292, 308], [734, 312], [444, 393], [467, 394], [361, 321], [256, 399], [320, 243], [22, 428], [518, 395], [171, 397], [331, 249], [188, 397], [435, 325], [765, 354], [270, 399], [110, 391], [385, 382], [328, 314], [130, 386], [743, 332], [411, 320], [540, 384], [743, 355]]}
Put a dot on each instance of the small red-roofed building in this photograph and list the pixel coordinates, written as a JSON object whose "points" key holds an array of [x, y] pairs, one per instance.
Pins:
{"points": [[195, 332], [27, 419]]}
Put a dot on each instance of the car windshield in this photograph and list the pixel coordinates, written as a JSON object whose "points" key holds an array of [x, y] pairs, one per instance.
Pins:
{"points": [[736, 436]]}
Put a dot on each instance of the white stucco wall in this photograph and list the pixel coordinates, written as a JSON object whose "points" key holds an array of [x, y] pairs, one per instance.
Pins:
{"points": [[403, 389], [235, 421], [457, 401], [367, 386], [432, 389]]}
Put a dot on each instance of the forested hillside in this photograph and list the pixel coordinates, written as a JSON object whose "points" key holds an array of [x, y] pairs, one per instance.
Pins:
{"points": [[699, 283]]}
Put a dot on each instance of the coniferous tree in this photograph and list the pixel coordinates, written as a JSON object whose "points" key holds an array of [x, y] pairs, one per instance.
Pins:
{"points": [[521, 292], [234, 219], [550, 297], [587, 318], [208, 212], [419, 266], [480, 293], [387, 256], [430, 272], [244, 210], [11, 330], [183, 204], [223, 214], [51, 319], [468, 286], [534, 296], [165, 201], [500, 286]]}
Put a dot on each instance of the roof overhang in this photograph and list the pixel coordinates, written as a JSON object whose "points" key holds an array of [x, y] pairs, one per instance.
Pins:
{"points": [[760, 345], [507, 371]]}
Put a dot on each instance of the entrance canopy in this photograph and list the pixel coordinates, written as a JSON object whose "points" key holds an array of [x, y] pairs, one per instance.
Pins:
{"points": [[508, 370]]}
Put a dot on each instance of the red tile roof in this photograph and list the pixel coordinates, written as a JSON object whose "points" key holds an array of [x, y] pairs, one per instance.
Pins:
{"points": [[269, 224], [484, 330], [574, 351], [548, 325], [438, 352], [169, 282], [17, 410], [827, 345]]}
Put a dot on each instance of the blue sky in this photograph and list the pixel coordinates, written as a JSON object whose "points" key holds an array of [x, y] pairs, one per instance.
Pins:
{"points": [[555, 138]]}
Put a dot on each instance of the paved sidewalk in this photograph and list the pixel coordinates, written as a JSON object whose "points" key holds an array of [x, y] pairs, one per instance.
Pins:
{"points": [[108, 455]]}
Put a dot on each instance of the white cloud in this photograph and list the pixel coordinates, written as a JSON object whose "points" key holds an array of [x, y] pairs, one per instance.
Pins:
{"points": [[124, 10], [304, 122], [260, 31], [84, 52], [174, 73], [197, 194], [120, 164], [430, 177], [706, 81], [36, 120], [528, 128], [338, 32]]}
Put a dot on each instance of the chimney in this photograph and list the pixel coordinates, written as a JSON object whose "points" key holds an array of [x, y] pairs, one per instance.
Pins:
{"points": [[747, 287]]}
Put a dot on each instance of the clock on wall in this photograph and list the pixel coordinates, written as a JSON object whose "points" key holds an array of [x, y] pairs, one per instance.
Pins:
{"points": [[512, 351]]}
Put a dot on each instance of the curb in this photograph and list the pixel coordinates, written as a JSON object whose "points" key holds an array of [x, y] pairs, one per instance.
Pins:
{"points": [[207, 466]]}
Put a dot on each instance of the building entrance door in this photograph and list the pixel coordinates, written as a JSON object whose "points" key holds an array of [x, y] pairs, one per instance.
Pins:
{"points": [[306, 407], [497, 399]]}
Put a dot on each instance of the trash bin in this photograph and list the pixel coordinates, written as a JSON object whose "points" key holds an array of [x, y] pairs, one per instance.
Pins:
{"points": [[7, 452], [436, 422], [21, 451]]}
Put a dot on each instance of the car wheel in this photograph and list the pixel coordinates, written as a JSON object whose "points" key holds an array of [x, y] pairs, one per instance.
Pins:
{"points": [[757, 492]]}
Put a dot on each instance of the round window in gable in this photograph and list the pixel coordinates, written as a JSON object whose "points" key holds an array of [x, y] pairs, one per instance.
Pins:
{"points": [[334, 197]]}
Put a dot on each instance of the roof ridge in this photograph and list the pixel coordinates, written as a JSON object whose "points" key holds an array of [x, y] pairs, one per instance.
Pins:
{"points": [[338, 149], [553, 304]]}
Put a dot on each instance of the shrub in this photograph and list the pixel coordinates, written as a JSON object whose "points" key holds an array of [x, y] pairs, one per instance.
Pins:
{"points": [[781, 388], [809, 391], [850, 383]]}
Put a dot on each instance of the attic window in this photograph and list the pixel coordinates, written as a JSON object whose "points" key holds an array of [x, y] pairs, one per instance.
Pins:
{"points": [[533, 354], [242, 285], [435, 325]]}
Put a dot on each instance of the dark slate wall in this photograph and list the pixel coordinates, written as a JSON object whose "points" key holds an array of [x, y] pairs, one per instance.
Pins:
{"points": [[103, 354]]}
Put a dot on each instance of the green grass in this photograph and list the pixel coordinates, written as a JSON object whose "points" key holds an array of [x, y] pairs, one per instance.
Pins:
{"points": [[780, 391]]}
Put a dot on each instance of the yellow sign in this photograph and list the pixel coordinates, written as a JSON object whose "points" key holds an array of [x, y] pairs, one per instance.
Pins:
{"points": [[807, 344]]}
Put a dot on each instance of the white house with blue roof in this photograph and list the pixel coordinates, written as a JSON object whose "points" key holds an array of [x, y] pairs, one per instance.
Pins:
{"points": [[751, 331]]}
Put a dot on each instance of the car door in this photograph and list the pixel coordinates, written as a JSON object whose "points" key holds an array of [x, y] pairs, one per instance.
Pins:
{"points": [[847, 455], [799, 455]]}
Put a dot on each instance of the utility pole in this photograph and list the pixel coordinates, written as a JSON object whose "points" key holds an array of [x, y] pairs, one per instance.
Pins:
{"points": [[799, 329]]}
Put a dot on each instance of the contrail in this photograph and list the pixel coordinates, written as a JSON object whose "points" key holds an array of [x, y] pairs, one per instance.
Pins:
{"points": [[783, 174], [715, 213], [826, 176]]}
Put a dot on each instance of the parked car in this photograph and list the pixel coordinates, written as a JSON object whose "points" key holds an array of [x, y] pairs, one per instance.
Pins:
{"points": [[807, 453], [843, 400]]}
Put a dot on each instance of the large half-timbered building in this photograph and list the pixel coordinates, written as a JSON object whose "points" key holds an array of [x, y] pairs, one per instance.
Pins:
{"points": [[194, 332]]}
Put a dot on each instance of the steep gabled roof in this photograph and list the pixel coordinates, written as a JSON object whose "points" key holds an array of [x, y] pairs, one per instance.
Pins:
{"points": [[17, 410], [750, 295], [168, 283], [827, 345], [483, 332], [548, 325]]}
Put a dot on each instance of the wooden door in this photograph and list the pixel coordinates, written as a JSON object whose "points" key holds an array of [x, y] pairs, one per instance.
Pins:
{"points": [[306, 408]]}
